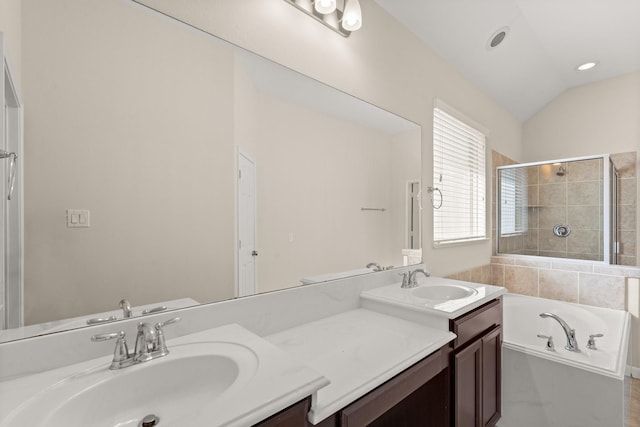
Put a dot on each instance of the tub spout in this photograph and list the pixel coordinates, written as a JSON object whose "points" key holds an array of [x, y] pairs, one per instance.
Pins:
{"points": [[572, 344]]}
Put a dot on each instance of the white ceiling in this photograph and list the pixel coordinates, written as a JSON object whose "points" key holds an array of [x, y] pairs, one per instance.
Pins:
{"points": [[546, 41]]}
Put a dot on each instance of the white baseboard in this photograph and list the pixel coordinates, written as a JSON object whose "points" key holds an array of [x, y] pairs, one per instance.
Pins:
{"points": [[635, 372]]}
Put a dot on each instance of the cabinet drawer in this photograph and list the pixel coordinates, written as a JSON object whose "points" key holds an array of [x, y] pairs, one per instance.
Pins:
{"points": [[472, 325]]}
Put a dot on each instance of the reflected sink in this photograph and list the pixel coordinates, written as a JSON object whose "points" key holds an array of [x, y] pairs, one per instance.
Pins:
{"points": [[444, 292], [176, 388]]}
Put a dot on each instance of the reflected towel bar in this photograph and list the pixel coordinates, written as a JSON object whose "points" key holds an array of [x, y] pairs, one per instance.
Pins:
{"points": [[373, 209]]}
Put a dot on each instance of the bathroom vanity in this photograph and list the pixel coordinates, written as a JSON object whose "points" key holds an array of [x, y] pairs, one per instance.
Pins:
{"points": [[342, 353]]}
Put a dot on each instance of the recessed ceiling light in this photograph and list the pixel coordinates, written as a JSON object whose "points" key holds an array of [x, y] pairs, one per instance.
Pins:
{"points": [[586, 66], [497, 38]]}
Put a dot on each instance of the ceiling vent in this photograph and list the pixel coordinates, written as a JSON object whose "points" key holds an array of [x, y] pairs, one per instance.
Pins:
{"points": [[497, 38]]}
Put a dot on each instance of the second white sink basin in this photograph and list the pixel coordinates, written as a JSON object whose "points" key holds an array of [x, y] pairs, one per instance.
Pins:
{"points": [[444, 292]]}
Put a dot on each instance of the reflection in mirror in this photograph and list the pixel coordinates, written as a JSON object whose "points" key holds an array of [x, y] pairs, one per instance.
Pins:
{"points": [[560, 208], [208, 172]]}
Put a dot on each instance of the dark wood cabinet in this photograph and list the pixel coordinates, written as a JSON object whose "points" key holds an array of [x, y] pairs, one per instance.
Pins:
{"points": [[418, 396], [476, 367], [293, 416]]}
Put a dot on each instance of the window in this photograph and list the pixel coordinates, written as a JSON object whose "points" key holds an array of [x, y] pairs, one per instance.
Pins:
{"points": [[514, 201], [459, 173]]}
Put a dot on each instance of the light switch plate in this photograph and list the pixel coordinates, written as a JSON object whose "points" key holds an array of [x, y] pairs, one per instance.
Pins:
{"points": [[78, 218]]}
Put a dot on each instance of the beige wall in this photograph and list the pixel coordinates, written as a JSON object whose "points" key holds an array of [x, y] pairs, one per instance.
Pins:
{"points": [[10, 26], [596, 118], [107, 129], [383, 63]]}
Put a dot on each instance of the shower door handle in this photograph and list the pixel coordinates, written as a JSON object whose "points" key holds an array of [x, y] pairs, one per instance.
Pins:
{"points": [[254, 253]]}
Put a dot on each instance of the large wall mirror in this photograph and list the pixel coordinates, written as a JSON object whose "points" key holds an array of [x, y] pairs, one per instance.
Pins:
{"points": [[206, 172]]}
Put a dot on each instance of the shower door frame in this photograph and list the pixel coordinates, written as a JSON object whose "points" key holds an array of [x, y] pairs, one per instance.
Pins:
{"points": [[606, 202], [12, 247]]}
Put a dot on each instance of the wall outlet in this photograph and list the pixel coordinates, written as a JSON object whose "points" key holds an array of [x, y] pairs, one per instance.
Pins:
{"points": [[78, 218]]}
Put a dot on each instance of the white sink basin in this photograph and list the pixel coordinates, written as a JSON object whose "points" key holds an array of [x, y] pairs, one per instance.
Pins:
{"points": [[444, 292], [175, 388]]}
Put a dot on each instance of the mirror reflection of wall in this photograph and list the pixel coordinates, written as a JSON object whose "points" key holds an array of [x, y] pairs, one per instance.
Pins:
{"points": [[139, 120]]}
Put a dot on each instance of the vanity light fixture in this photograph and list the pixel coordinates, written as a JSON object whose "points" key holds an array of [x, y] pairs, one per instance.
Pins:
{"points": [[343, 20], [586, 66]]}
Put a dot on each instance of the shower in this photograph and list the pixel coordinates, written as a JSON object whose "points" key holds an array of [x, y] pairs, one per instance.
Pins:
{"points": [[562, 208]]}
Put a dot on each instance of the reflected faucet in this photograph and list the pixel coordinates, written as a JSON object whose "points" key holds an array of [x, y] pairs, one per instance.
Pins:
{"points": [[126, 308], [572, 344], [375, 265]]}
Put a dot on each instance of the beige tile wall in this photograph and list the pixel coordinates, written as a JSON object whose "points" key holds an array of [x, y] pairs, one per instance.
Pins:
{"points": [[569, 199], [581, 282]]}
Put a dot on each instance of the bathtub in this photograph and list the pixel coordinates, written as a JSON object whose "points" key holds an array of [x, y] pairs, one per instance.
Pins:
{"points": [[562, 388]]}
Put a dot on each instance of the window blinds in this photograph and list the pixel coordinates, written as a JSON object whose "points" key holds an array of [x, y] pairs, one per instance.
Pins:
{"points": [[514, 201], [459, 173]]}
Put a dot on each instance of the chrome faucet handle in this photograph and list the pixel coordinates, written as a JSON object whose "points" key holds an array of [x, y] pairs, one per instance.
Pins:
{"points": [[154, 310], [98, 320], [160, 346], [549, 346], [144, 340], [591, 344], [121, 356], [405, 280]]}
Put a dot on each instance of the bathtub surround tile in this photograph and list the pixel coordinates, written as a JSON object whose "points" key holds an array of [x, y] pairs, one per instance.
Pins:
{"points": [[616, 270], [532, 175], [521, 280], [497, 274], [627, 242], [503, 260], [533, 262], [572, 266], [533, 195], [548, 174], [626, 260], [602, 291], [559, 285]]}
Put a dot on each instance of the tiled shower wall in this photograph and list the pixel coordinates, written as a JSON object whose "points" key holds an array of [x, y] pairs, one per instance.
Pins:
{"points": [[569, 199]]}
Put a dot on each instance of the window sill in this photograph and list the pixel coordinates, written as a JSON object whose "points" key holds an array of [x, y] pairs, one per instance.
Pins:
{"points": [[460, 242]]}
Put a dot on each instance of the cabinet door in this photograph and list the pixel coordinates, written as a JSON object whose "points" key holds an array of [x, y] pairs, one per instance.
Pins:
{"points": [[491, 377], [467, 399]]}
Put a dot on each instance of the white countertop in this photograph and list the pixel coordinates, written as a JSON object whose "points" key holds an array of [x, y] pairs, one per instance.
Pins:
{"points": [[278, 382], [357, 351], [396, 296]]}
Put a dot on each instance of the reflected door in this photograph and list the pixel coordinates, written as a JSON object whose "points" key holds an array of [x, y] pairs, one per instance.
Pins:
{"points": [[247, 250]]}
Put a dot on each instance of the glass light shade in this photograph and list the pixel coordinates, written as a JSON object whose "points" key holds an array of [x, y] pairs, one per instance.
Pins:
{"points": [[352, 16], [586, 66], [325, 6]]}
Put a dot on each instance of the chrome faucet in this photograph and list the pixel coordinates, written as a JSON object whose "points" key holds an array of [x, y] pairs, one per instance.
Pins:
{"points": [[409, 278], [150, 344], [126, 308], [572, 343]]}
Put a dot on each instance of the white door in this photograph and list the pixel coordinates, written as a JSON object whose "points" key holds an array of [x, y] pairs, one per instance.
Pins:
{"points": [[247, 250], [11, 275]]}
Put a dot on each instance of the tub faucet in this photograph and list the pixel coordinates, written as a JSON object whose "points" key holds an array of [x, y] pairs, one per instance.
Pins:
{"points": [[572, 344]]}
